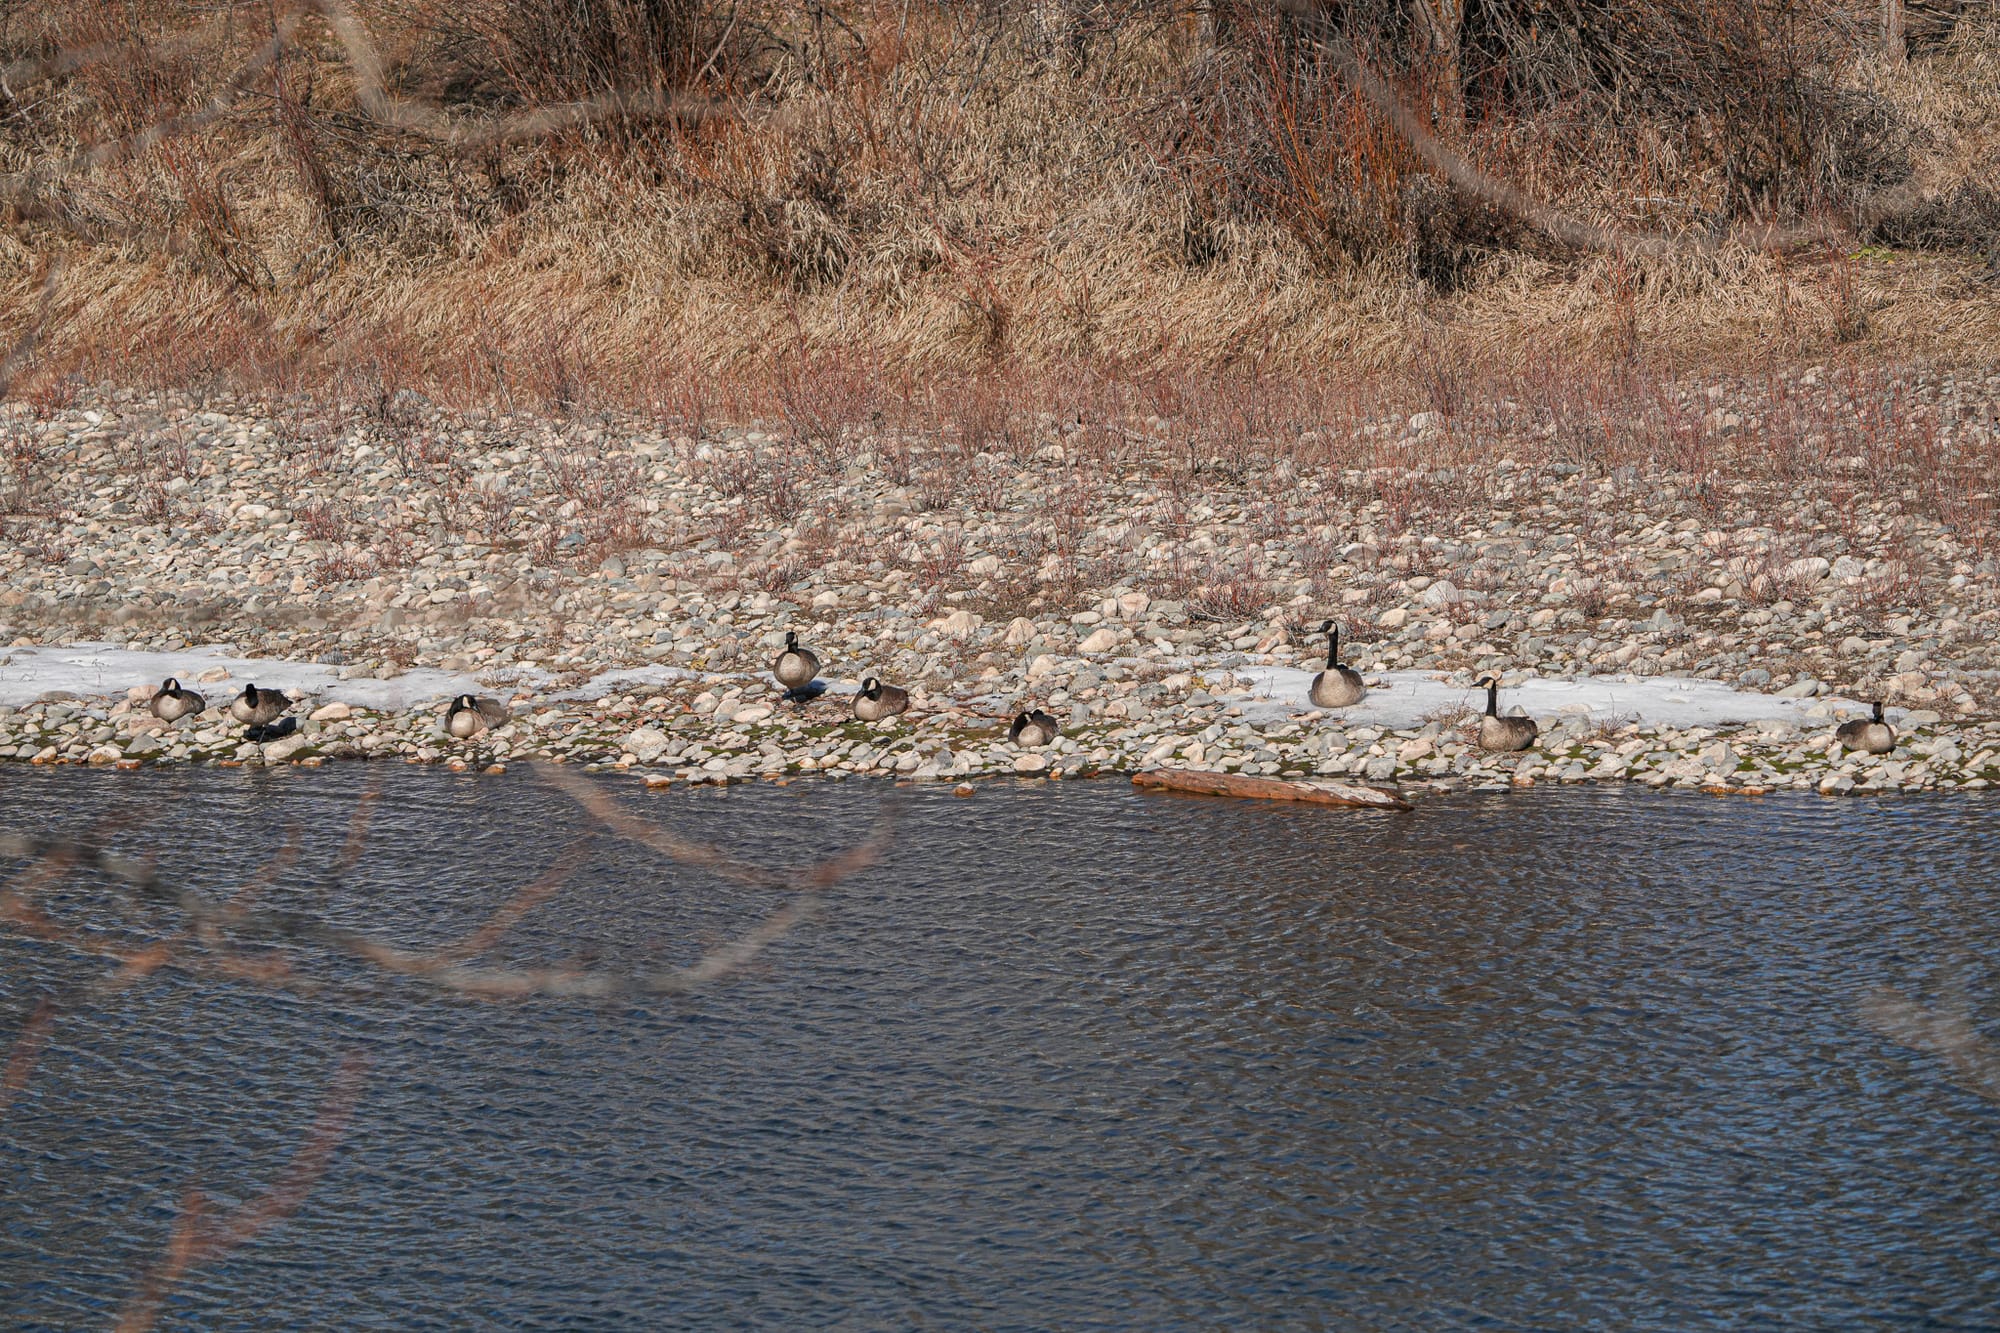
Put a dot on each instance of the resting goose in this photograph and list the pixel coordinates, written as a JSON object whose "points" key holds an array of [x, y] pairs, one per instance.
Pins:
{"points": [[877, 701], [1033, 728], [1503, 733], [1874, 735], [468, 716], [796, 667], [256, 708], [171, 703], [1337, 686]]}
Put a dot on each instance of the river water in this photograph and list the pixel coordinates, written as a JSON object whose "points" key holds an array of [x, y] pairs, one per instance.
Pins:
{"points": [[1069, 1057]]}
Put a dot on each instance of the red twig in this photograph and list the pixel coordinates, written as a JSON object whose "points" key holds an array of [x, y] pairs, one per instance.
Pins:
{"points": [[197, 1240]]}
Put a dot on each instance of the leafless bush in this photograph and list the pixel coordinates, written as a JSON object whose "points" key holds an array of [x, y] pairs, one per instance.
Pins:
{"points": [[60, 898]]}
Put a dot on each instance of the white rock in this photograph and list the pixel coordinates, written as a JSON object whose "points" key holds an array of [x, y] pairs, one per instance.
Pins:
{"points": [[1043, 665], [333, 712], [826, 599], [1807, 569], [1020, 630], [985, 567], [959, 624], [1100, 641], [646, 744], [1394, 618]]}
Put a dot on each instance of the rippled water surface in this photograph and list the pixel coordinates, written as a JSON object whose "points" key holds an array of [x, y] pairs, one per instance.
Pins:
{"points": [[1069, 1057]]}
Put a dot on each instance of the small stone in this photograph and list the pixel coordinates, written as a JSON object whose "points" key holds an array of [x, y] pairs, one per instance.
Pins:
{"points": [[963, 789], [646, 744], [1100, 641], [280, 750], [959, 624], [333, 712]]}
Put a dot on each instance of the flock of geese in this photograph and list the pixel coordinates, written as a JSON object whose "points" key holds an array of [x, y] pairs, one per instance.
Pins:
{"points": [[1339, 686], [796, 668], [263, 712]]}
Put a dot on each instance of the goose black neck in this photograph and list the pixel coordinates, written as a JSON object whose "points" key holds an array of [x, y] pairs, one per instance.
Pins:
{"points": [[1878, 710], [1333, 647], [871, 688], [1492, 698], [791, 639]]}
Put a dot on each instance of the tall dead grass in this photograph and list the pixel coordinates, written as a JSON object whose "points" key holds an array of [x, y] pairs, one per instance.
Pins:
{"points": [[635, 201]]}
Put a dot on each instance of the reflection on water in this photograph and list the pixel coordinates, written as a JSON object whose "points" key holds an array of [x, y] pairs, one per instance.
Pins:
{"points": [[1072, 1056]]}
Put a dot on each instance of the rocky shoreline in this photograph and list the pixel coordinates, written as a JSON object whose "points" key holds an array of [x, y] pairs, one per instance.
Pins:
{"points": [[739, 729], [622, 586]]}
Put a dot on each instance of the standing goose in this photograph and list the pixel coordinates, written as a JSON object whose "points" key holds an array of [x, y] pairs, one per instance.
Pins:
{"points": [[468, 716], [1874, 735], [1503, 733], [1033, 728], [796, 667], [1337, 686], [171, 703], [256, 708], [877, 701]]}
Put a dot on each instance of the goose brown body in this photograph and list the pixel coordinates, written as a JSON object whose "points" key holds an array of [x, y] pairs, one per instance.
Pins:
{"points": [[1033, 728], [877, 701], [1503, 733], [1337, 686], [796, 667], [470, 715], [256, 708], [1872, 735], [171, 703]]}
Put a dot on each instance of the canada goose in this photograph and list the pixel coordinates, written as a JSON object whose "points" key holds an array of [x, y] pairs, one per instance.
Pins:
{"points": [[877, 701], [171, 703], [1337, 686], [1875, 736], [255, 707], [1033, 728], [468, 716], [796, 667], [1503, 733], [271, 731]]}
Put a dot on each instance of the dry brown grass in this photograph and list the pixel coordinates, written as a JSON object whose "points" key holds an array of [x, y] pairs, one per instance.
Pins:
{"points": [[764, 213]]}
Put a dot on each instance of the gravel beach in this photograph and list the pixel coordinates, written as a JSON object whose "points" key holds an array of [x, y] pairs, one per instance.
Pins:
{"points": [[623, 587]]}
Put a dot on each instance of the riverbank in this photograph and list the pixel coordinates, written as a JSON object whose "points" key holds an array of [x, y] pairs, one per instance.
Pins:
{"points": [[624, 583], [695, 728]]}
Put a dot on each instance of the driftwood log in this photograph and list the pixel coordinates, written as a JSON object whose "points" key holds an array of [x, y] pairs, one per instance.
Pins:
{"points": [[1267, 789]]}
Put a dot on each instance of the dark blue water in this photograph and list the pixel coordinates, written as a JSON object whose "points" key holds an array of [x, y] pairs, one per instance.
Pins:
{"points": [[1068, 1057]]}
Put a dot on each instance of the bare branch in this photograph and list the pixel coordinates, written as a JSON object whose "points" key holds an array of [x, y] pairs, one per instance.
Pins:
{"points": [[26, 1049], [196, 1240], [443, 967], [31, 337], [608, 812], [1558, 224], [1974, 1060]]}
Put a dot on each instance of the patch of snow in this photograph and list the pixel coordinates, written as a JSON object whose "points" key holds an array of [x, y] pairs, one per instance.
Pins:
{"points": [[102, 669], [1409, 698]]}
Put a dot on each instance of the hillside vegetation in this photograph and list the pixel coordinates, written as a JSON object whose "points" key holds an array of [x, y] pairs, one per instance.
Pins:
{"points": [[712, 206]]}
